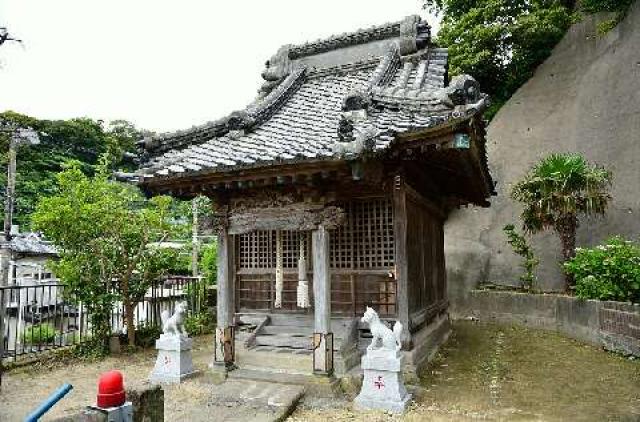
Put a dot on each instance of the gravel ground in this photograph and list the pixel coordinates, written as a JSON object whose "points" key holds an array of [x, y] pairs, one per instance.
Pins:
{"points": [[24, 388], [485, 372]]}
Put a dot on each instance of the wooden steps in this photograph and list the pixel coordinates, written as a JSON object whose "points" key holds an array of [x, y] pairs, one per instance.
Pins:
{"points": [[280, 335], [286, 333], [283, 329], [284, 341]]}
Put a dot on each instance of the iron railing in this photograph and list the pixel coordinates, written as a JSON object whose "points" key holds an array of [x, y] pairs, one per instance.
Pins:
{"points": [[38, 317]]}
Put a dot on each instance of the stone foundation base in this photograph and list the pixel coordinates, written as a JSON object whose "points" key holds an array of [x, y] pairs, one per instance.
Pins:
{"points": [[426, 343]]}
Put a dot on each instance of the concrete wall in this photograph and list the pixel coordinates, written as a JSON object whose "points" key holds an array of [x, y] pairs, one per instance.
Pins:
{"points": [[613, 325], [584, 98]]}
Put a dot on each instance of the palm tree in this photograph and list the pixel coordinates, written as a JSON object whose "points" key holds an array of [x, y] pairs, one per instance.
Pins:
{"points": [[556, 191]]}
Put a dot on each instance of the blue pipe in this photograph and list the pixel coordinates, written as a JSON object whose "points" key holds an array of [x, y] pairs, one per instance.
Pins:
{"points": [[49, 403]]}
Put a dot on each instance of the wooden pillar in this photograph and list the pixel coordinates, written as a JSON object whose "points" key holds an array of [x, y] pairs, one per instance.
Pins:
{"points": [[322, 337], [401, 258], [224, 347]]}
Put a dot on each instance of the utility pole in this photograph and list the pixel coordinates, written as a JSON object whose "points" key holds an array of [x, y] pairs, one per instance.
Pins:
{"points": [[5, 248], [17, 136]]}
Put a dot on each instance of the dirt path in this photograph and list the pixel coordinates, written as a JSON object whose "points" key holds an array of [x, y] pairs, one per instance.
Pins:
{"points": [[485, 372], [25, 387]]}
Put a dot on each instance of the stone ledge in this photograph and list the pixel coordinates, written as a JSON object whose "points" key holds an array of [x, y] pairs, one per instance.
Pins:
{"points": [[602, 323]]}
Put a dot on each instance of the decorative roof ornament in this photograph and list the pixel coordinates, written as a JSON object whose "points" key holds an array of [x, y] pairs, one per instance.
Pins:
{"points": [[277, 68], [356, 100], [462, 90]]}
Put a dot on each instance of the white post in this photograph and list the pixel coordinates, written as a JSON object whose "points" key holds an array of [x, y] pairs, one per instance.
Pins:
{"points": [[195, 244], [322, 337]]}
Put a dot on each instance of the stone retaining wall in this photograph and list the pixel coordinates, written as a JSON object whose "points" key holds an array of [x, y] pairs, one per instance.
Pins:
{"points": [[612, 325]]}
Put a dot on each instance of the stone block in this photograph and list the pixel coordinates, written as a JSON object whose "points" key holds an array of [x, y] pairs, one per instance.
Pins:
{"points": [[122, 413], [382, 386], [148, 402], [174, 362]]}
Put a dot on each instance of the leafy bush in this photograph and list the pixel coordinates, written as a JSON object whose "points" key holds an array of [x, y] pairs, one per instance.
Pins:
{"points": [[147, 334], [521, 247], [597, 6], [200, 323], [40, 334], [607, 272], [619, 7], [209, 263]]}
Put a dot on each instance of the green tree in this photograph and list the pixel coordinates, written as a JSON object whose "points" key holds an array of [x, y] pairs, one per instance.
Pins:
{"points": [[105, 231], [556, 191], [499, 42], [83, 139]]}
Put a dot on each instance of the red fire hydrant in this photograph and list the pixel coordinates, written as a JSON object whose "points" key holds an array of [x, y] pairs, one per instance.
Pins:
{"points": [[111, 390]]}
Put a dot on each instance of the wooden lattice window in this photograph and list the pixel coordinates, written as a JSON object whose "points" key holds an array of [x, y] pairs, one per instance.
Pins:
{"points": [[366, 238], [257, 250]]}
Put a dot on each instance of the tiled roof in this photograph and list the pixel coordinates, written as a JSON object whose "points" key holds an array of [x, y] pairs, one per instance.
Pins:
{"points": [[311, 112], [31, 243]]}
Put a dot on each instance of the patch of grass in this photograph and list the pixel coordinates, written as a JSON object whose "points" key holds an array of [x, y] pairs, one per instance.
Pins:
{"points": [[539, 375]]}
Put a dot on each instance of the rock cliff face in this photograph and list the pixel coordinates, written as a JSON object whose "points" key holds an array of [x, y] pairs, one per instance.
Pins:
{"points": [[584, 98]]}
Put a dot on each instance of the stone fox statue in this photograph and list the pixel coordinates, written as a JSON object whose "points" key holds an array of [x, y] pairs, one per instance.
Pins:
{"points": [[174, 324], [383, 337]]}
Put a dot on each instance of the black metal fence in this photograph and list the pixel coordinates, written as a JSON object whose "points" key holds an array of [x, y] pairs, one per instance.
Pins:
{"points": [[39, 317]]}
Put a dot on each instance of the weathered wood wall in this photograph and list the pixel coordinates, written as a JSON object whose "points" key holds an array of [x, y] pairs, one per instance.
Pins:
{"points": [[425, 260]]}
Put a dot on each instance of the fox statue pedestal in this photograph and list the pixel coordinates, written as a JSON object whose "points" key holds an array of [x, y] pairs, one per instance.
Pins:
{"points": [[382, 386], [174, 349], [174, 362]]}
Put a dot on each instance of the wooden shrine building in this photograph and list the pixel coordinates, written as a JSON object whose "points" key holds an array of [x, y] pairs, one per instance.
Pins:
{"points": [[331, 189]]}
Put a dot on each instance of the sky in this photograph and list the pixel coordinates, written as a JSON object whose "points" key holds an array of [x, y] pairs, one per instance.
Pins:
{"points": [[163, 65]]}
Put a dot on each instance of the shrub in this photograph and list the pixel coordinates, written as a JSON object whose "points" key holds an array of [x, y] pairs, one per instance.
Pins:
{"points": [[40, 334], [147, 334], [619, 7], [209, 263], [200, 323], [607, 272], [521, 247]]}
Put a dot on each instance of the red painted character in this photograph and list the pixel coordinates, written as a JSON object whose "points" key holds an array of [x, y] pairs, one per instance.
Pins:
{"points": [[379, 383]]}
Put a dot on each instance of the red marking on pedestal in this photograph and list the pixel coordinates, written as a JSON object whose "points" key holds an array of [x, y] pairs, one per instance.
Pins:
{"points": [[379, 383]]}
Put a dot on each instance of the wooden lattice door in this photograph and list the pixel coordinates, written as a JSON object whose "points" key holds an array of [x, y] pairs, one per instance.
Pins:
{"points": [[256, 267], [363, 259]]}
